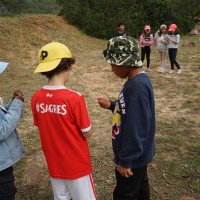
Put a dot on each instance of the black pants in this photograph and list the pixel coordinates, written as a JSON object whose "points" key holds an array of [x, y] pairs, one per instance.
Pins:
{"points": [[146, 51], [135, 187], [7, 186], [172, 57]]}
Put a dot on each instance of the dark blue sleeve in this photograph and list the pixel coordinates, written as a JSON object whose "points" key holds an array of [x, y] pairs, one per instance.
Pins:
{"points": [[112, 105], [136, 128]]}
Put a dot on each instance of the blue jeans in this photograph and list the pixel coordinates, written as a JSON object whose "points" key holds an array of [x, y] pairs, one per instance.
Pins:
{"points": [[172, 57], [7, 186]]}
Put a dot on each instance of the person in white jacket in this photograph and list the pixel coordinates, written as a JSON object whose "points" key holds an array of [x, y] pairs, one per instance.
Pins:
{"points": [[161, 39], [11, 149]]}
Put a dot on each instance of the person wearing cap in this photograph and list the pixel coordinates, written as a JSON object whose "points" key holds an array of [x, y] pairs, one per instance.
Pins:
{"points": [[11, 149], [133, 124], [146, 42], [64, 126], [173, 41], [161, 38], [121, 30]]}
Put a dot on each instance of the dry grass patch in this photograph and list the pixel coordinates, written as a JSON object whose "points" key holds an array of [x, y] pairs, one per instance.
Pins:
{"points": [[174, 173]]}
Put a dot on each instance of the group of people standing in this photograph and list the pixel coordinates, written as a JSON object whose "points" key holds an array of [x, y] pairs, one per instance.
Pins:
{"points": [[64, 126], [165, 39]]}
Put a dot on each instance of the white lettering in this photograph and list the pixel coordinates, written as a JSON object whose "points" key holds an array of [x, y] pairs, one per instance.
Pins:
{"points": [[64, 110], [42, 107], [123, 111], [122, 103], [37, 107], [51, 108]]}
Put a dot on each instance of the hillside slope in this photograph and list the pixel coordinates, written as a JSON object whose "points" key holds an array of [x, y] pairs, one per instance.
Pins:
{"points": [[175, 170]]}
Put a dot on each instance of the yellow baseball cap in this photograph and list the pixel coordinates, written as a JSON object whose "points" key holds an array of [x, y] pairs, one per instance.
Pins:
{"points": [[50, 56]]}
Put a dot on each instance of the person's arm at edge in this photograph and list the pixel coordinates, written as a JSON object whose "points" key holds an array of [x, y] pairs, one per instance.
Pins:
{"points": [[11, 119], [106, 103], [87, 134]]}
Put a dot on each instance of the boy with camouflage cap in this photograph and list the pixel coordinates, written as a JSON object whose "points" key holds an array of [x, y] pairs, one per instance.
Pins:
{"points": [[133, 125]]}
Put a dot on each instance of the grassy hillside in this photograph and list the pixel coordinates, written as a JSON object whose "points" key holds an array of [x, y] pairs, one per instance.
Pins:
{"points": [[175, 172]]}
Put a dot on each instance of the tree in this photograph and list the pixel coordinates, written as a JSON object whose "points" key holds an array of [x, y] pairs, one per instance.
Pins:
{"points": [[14, 6], [189, 9]]}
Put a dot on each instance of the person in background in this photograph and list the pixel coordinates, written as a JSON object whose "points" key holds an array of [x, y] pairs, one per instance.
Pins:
{"points": [[11, 149], [146, 42], [161, 38], [173, 42], [121, 30], [64, 125], [133, 124]]}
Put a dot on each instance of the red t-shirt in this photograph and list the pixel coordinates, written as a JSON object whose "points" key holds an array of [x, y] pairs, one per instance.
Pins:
{"points": [[62, 118]]}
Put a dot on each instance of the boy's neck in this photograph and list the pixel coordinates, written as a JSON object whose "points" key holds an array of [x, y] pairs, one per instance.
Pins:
{"points": [[58, 80], [55, 83], [134, 72]]}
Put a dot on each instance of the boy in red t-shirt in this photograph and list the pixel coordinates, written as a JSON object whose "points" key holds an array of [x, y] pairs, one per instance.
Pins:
{"points": [[63, 122]]}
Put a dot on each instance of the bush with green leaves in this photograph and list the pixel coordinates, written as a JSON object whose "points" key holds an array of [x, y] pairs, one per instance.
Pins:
{"points": [[99, 18], [17, 7]]}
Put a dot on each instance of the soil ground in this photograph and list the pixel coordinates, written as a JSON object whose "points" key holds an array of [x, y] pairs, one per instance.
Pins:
{"points": [[174, 173]]}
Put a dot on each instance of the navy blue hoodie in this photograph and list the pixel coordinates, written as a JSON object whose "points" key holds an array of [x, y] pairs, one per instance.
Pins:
{"points": [[134, 123]]}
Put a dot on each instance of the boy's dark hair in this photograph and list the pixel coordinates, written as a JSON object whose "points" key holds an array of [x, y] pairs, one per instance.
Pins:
{"points": [[119, 24], [64, 65]]}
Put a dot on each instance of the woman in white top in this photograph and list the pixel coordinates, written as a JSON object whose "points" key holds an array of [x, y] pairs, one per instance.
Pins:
{"points": [[173, 41], [161, 38]]}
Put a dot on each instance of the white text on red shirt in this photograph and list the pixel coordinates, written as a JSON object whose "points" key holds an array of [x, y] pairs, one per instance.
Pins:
{"points": [[51, 108]]}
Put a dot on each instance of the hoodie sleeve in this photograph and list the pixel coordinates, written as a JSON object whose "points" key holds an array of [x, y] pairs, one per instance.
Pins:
{"points": [[112, 106]]}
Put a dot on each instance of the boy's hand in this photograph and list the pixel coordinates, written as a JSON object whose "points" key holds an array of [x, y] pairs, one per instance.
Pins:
{"points": [[104, 102], [18, 94], [126, 172]]}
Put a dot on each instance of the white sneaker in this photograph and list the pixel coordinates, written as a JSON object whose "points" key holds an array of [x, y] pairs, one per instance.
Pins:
{"points": [[159, 69], [171, 71], [179, 71], [162, 70], [148, 70]]}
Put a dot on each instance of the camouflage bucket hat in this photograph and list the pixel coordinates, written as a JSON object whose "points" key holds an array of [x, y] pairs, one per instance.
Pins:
{"points": [[123, 51]]}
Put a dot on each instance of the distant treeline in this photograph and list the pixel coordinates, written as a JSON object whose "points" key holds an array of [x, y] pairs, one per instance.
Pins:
{"points": [[99, 17], [17, 7]]}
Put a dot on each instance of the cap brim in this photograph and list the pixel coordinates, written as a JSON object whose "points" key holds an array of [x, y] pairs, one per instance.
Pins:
{"points": [[3, 66], [47, 66]]}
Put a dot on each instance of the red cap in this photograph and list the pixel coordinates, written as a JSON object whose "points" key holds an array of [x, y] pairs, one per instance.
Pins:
{"points": [[172, 27]]}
